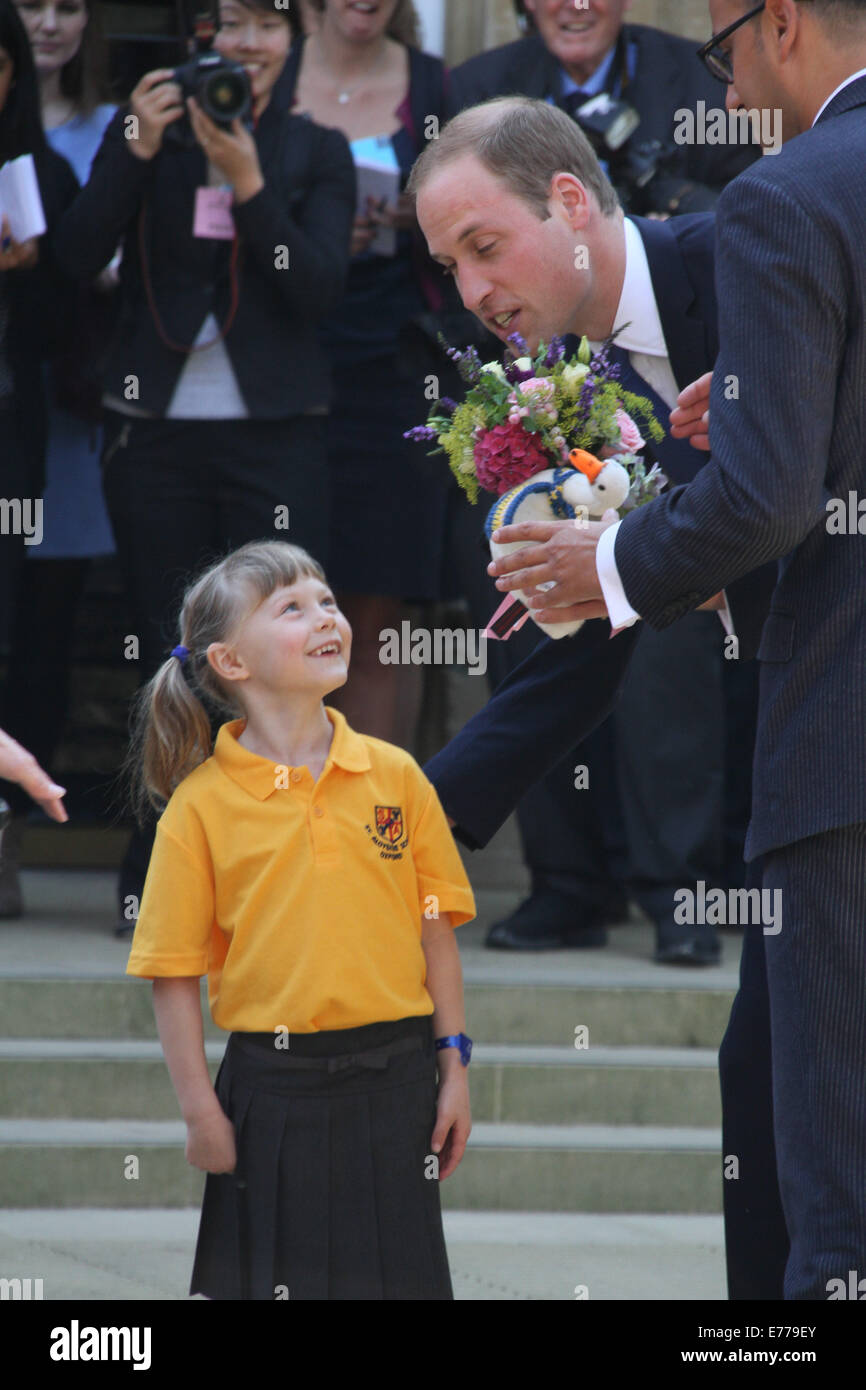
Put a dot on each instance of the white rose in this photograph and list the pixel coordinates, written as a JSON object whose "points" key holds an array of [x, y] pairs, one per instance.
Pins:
{"points": [[524, 364], [495, 368], [572, 376]]}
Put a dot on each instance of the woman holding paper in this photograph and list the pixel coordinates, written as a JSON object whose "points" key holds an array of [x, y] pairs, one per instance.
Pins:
{"points": [[69, 63], [361, 70]]}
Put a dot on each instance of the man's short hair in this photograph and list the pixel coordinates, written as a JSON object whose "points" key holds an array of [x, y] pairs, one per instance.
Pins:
{"points": [[839, 13], [524, 142]]}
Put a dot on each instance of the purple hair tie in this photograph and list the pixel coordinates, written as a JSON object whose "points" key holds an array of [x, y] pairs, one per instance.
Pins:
{"points": [[181, 653]]}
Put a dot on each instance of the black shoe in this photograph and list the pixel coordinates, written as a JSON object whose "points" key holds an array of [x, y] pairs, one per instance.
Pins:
{"points": [[549, 921], [690, 950]]}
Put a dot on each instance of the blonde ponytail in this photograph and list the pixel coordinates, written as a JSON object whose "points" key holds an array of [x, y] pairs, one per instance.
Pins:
{"points": [[171, 717]]}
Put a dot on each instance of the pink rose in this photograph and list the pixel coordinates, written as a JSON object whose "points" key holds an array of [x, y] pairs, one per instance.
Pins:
{"points": [[630, 436]]}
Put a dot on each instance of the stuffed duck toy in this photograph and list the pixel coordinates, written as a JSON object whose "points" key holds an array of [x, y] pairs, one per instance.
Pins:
{"points": [[587, 488]]}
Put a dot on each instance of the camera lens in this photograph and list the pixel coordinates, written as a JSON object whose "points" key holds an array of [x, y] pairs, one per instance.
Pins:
{"points": [[225, 96]]}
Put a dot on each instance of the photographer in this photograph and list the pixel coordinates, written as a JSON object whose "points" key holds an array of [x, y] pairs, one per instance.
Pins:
{"points": [[235, 241], [572, 54]]}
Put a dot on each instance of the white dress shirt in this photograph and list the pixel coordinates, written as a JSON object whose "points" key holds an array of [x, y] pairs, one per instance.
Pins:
{"points": [[638, 304]]}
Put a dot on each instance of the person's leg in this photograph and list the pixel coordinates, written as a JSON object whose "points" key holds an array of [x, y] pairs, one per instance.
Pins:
{"points": [[156, 479], [567, 822], [271, 482], [163, 511], [670, 736], [756, 1237], [814, 900]]}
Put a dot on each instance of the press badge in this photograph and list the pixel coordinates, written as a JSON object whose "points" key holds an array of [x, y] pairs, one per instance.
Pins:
{"points": [[213, 214]]}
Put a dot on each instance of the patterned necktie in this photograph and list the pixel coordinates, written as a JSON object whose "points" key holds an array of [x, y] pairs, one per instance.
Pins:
{"points": [[676, 457]]}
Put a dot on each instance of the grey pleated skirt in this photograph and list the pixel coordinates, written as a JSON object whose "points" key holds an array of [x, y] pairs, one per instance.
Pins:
{"points": [[333, 1196]]}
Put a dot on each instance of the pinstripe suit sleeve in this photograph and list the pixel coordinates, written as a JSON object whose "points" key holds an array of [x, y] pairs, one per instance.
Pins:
{"points": [[782, 285]]}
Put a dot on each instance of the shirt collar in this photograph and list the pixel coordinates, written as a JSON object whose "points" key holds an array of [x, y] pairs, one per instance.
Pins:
{"points": [[256, 774], [593, 84], [637, 303], [855, 76]]}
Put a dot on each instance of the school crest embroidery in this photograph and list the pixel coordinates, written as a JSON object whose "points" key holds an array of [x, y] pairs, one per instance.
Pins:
{"points": [[387, 831], [389, 822]]}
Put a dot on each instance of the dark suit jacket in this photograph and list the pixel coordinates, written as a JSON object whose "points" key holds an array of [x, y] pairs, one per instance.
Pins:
{"points": [[307, 206], [668, 78], [566, 688], [792, 299]]}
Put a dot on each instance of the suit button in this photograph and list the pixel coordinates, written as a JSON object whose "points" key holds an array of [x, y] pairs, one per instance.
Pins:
{"points": [[318, 811], [296, 775]]}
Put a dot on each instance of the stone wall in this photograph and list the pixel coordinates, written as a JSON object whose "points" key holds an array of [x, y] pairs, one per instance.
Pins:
{"points": [[473, 25]]}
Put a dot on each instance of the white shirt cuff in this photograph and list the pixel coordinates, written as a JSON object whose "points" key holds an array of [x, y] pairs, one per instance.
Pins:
{"points": [[725, 617], [619, 609]]}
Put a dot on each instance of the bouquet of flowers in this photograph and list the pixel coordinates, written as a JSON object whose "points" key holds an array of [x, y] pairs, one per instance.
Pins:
{"points": [[555, 438]]}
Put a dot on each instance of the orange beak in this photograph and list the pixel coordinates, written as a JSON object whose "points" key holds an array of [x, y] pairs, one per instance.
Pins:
{"points": [[587, 463]]}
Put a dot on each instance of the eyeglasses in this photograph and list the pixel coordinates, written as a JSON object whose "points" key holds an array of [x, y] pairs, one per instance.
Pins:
{"points": [[713, 57]]}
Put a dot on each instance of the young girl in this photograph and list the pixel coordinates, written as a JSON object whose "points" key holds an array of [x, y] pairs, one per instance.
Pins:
{"points": [[310, 873]]}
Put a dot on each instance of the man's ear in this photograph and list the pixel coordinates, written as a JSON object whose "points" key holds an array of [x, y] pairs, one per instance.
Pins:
{"points": [[785, 20], [225, 661], [568, 190]]}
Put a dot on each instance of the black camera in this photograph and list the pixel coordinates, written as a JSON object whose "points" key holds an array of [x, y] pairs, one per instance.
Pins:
{"points": [[606, 122], [221, 88], [643, 172]]}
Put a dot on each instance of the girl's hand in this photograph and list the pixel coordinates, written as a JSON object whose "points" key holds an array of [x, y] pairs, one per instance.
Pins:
{"points": [[210, 1142], [233, 152], [156, 102], [16, 255], [453, 1121]]}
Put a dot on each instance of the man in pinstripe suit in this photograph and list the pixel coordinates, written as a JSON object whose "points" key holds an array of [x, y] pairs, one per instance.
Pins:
{"points": [[788, 467]]}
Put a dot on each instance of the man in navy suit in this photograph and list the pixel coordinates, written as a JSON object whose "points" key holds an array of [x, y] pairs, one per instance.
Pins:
{"points": [[650, 833], [784, 484], [507, 255], [654, 281]]}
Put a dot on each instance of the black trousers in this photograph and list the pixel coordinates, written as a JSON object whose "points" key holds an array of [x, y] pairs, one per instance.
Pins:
{"points": [[756, 1236], [816, 980], [182, 493]]}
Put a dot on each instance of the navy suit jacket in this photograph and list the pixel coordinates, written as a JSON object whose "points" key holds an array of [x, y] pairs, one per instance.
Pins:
{"points": [[668, 77], [791, 277], [566, 688]]}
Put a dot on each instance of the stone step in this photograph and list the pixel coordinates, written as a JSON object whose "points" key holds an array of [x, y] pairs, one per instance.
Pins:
{"points": [[103, 1079], [549, 1007], [106, 1079], [507, 1167]]}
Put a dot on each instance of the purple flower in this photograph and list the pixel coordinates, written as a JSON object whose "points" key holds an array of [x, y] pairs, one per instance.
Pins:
{"points": [[555, 352], [421, 434], [521, 346], [446, 403]]}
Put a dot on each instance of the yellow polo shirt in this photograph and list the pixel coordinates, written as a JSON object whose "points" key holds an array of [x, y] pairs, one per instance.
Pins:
{"points": [[302, 901]]}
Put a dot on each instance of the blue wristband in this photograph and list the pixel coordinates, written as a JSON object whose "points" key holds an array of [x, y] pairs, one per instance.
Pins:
{"points": [[460, 1041]]}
